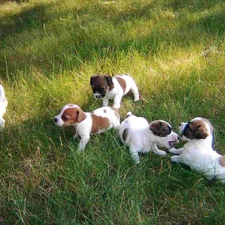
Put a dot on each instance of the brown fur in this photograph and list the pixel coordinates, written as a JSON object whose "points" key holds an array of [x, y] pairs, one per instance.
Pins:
{"points": [[122, 83], [197, 130], [99, 123], [160, 128], [73, 116], [222, 160]]}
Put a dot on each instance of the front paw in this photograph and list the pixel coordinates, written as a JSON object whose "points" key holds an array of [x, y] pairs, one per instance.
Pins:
{"points": [[75, 136], [175, 159], [173, 150]]}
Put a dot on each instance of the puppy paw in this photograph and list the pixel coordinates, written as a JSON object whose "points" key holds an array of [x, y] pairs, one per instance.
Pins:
{"points": [[136, 99], [173, 150], [175, 159]]}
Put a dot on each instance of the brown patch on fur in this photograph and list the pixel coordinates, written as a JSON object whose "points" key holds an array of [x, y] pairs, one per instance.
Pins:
{"points": [[125, 134], [222, 160], [105, 111], [196, 129], [160, 128], [72, 116], [99, 123], [99, 81], [122, 83]]}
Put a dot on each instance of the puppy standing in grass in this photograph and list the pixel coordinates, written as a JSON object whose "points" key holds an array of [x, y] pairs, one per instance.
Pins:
{"points": [[87, 123], [198, 152], [3, 106], [142, 137], [107, 87]]}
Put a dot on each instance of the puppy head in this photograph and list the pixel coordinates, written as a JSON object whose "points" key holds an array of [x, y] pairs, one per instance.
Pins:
{"points": [[70, 115], [197, 128], [100, 85], [163, 133]]}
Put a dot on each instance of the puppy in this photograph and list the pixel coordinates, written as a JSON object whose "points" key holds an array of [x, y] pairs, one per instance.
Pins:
{"points": [[198, 152], [107, 87], [87, 123], [3, 106], [142, 137]]}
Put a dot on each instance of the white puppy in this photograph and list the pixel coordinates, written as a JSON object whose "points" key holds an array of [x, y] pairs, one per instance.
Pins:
{"points": [[198, 152], [142, 137], [3, 105], [107, 87], [87, 123]]}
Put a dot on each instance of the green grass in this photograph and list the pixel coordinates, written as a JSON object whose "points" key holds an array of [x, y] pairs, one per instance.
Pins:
{"points": [[49, 49]]}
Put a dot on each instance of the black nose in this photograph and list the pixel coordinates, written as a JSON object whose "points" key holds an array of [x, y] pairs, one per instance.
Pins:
{"points": [[55, 120], [178, 137]]}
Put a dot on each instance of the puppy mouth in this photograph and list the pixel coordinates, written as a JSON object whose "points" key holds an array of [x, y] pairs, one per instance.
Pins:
{"points": [[171, 143]]}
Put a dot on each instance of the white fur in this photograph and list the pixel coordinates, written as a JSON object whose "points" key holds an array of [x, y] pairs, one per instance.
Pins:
{"points": [[141, 139], [3, 106], [83, 129], [199, 155], [117, 93]]}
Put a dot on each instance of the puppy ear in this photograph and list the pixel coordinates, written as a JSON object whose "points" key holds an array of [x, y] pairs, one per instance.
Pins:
{"points": [[91, 79], [200, 132], [108, 79], [80, 115], [155, 127]]}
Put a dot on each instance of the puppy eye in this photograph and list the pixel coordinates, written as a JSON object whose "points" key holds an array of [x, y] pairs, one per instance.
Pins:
{"points": [[65, 117], [167, 130]]}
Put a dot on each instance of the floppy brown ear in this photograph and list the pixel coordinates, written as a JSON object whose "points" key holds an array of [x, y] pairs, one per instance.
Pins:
{"points": [[155, 127], [200, 132], [80, 115]]}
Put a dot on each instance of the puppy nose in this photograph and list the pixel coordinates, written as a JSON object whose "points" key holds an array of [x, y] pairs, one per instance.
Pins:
{"points": [[178, 137], [55, 120]]}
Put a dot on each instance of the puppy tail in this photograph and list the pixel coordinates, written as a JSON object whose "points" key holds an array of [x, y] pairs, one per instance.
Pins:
{"points": [[129, 114]]}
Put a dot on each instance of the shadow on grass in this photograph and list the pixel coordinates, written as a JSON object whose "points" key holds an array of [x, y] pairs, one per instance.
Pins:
{"points": [[78, 45]]}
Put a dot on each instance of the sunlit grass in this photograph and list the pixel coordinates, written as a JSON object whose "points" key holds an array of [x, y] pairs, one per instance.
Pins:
{"points": [[49, 49]]}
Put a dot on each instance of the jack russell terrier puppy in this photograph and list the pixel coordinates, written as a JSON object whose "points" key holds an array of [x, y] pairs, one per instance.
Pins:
{"points": [[198, 152], [107, 87], [142, 137], [3, 106], [87, 123]]}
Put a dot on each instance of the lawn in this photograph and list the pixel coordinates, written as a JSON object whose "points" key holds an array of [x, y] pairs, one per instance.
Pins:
{"points": [[49, 49]]}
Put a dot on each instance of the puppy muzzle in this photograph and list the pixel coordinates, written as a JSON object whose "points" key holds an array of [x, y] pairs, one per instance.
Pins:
{"points": [[98, 96]]}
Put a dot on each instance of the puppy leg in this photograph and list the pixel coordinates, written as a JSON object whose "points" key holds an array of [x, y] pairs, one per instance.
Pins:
{"points": [[83, 143], [176, 151], [134, 154], [158, 151], [105, 102], [135, 92], [176, 158], [75, 135], [117, 101]]}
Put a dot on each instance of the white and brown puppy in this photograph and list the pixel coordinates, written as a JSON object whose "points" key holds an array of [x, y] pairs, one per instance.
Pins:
{"points": [[107, 87], [141, 136], [87, 123], [3, 106], [198, 152]]}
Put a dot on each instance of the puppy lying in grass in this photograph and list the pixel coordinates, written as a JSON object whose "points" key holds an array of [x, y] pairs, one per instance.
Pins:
{"points": [[198, 152]]}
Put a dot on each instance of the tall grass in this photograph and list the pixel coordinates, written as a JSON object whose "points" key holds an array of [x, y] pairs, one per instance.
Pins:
{"points": [[49, 49]]}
